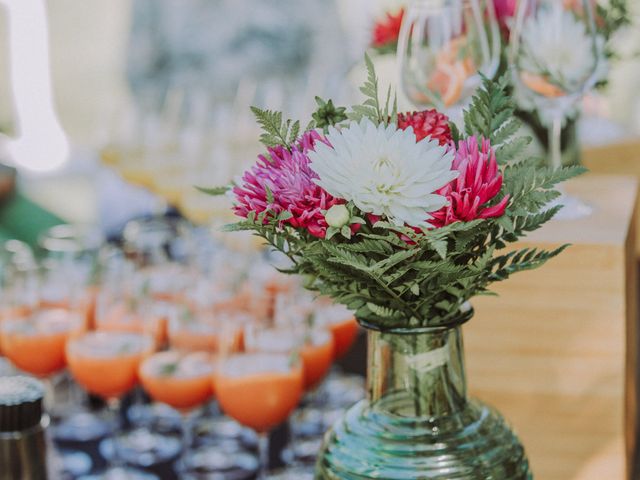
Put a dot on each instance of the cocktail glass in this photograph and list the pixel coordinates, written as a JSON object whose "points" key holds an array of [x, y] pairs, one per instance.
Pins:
{"points": [[106, 364]]}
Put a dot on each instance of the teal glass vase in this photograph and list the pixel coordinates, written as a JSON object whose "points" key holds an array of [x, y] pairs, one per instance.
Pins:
{"points": [[417, 422]]}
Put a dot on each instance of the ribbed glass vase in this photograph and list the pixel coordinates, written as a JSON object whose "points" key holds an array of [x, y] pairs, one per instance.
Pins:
{"points": [[417, 422]]}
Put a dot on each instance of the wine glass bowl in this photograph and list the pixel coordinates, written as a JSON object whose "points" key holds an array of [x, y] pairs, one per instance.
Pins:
{"points": [[259, 390], [36, 343], [443, 47], [555, 52], [106, 363], [182, 380]]}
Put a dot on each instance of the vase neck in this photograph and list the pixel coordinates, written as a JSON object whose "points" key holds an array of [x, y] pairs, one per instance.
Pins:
{"points": [[417, 374]]}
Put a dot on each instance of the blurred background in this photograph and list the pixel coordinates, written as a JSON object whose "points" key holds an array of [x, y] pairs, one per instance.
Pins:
{"points": [[136, 74]]}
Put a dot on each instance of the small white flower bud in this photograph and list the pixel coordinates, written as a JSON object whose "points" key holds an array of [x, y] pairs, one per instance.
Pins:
{"points": [[337, 216]]}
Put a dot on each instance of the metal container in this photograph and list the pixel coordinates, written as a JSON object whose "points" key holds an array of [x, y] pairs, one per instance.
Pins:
{"points": [[22, 429]]}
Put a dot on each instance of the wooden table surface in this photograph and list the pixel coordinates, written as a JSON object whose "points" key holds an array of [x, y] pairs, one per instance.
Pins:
{"points": [[551, 351]]}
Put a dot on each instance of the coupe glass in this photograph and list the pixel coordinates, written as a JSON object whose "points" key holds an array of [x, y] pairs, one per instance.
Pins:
{"points": [[554, 56], [259, 390], [106, 364], [19, 282], [444, 46], [293, 329]]}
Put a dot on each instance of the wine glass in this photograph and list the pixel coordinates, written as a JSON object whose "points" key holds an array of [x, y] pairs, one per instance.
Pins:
{"points": [[106, 364], [125, 305], [74, 253], [443, 47], [19, 283], [292, 328], [259, 390], [554, 55]]}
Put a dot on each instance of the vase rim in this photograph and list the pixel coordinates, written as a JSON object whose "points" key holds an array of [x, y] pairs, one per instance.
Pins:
{"points": [[456, 320]]}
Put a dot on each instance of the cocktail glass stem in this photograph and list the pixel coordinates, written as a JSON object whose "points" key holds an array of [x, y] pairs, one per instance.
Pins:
{"points": [[188, 425], [49, 395], [555, 149], [115, 460], [263, 455]]}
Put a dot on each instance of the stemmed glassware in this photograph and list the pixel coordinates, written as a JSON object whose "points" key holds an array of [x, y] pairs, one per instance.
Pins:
{"points": [[444, 46], [259, 390], [19, 286], [554, 56], [106, 364], [291, 328]]}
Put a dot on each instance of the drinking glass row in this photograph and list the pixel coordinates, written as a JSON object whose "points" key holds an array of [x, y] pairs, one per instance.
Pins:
{"points": [[188, 321]]}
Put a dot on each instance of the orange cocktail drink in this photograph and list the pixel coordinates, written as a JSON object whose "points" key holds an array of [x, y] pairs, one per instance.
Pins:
{"points": [[106, 363], [317, 354], [180, 380], [315, 347], [341, 323], [12, 312], [344, 334], [259, 390], [36, 343]]}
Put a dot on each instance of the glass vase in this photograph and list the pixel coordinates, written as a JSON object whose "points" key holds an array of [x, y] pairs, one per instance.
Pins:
{"points": [[417, 422]]}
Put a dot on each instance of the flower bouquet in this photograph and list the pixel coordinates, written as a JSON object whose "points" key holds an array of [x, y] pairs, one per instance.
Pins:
{"points": [[403, 218]]}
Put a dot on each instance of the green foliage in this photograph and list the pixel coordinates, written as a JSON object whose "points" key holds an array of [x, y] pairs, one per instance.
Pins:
{"points": [[327, 114], [371, 107], [612, 16], [276, 131], [387, 48], [394, 276], [214, 191]]}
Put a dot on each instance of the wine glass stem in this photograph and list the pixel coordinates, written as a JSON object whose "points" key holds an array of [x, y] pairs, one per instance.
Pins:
{"points": [[115, 460], [555, 151], [187, 437], [263, 455], [49, 395]]}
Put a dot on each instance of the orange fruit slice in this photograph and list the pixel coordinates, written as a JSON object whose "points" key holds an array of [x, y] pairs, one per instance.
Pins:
{"points": [[540, 85]]}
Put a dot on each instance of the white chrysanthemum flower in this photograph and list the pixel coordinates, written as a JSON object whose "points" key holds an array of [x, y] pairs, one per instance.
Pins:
{"points": [[384, 171], [556, 44]]}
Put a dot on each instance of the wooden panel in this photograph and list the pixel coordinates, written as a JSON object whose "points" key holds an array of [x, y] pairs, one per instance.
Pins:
{"points": [[620, 158], [550, 352]]}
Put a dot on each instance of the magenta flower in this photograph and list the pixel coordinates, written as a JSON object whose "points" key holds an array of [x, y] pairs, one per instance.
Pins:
{"points": [[478, 184], [286, 174], [505, 10]]}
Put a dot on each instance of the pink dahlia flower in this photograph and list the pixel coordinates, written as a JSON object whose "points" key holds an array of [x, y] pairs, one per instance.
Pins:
{"points": [[478, 184], [286, 174]]}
